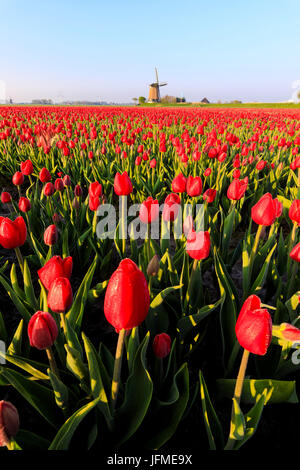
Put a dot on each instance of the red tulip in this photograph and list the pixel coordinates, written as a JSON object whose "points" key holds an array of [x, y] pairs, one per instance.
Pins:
{"points": [[5, 197], [12, 233], [51, 235], [67, 180], [254, 327], [179, 184], [94, 203], [162, 345], [194, 186], [198, 245], [54, 268], [237, 189], [188, 225], [127, 298], [9, 422], [78, 190], [149, 210], [122, 184], [266, 210], [294, 211], [95, 189], [207, 172], [44, 175], [26, 167], [295, 253], [59, 184], [49, 189], [60, 295], [171, 207], [42, 330], [209, 195], [24, 204], [18, 178]]}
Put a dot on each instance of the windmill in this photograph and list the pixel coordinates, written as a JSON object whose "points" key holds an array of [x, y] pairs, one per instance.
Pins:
{"points": [[154, 94]]}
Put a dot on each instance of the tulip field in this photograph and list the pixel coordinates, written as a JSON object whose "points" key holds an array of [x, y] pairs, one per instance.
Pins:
{"points": [[149, 279]]}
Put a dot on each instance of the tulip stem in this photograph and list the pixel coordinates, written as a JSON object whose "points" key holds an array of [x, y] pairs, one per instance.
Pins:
{"points": [[52, 362], [117, 368], [237, 396], [20, 258]]}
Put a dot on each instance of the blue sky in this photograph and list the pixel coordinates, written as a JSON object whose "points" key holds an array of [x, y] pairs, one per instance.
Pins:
{"points": [[107, 50]]}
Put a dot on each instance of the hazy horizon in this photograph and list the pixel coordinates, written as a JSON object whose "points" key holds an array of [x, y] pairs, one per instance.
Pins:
{"points": [[100, 51]]}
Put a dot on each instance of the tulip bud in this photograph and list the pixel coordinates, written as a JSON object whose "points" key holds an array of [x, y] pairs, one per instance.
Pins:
{"points": [[42, 330], [162, 345], [153, 266], [12, 233], [194, 186], [122, 184], [171, 207], [49, 189], [26, 167], [5, 197], [9, 422], [44, 175], [75, 203], [67, 180], [179, 184], [18, 178], [209, 195], [127, 298], [59, 185], [60, 295], [266, 210], [149, 210], [54, 268], [198, 245], [254, 327], [294, 211], [51, 235], [78, 190], [24, 204]]}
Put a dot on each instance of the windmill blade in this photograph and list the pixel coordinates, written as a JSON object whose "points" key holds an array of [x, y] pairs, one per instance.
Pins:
{"points": [[163, 84], [156, 73]]}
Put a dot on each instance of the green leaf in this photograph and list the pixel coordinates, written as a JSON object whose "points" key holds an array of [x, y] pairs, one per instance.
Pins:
{"points": [[138, 394], [279, 391], [168, 411], [132, 344], [252, 419], [28, 287], [16, 343], [61, 392], [63, 437], [76, 313], [238, 426], [228, 311], [16, 300], [40, 397], [97, 386], [186, 324], [212, 424], [31, 441]]}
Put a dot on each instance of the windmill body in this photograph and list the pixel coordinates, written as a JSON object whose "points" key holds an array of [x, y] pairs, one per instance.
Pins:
{"points": [[154, 92]]}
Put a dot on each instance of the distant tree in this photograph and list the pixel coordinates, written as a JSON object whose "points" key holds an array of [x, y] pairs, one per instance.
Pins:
{"points": [[236, 102], [142, 100], [168, 99], [298, 95], [42, 101], [135, 100]]}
